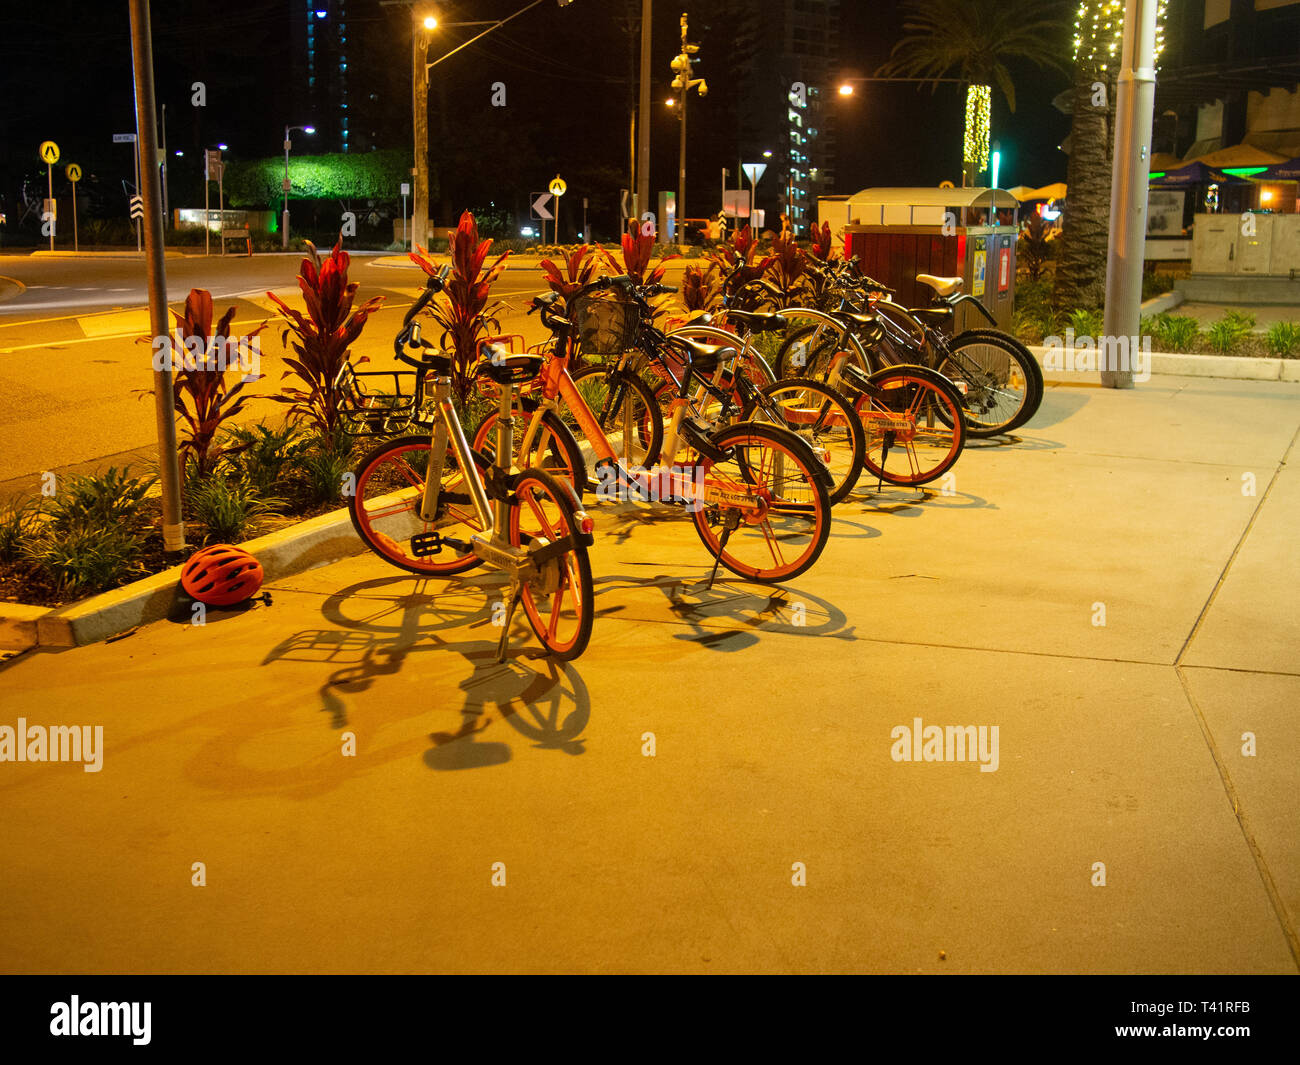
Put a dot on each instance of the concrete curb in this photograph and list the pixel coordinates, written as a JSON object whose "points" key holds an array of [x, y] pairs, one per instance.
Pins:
{"points": [[306, 545], [1160, 304], [100, 255], [1228, 367]]}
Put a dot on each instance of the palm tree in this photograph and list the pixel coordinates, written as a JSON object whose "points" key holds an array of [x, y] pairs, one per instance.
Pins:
{"points": [[974, 40], [1085, 234]]}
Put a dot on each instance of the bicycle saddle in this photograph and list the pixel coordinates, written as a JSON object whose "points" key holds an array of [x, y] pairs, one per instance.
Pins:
{"points": [[944, 286], [496, 362], [759, 322], [862, 321], [703, 357]]}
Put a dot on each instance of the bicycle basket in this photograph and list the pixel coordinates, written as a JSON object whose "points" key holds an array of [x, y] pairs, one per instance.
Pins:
{"points": [[366, 411], [605, 326]]}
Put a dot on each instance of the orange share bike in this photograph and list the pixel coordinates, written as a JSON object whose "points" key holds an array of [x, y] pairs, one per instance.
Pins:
{"points": [[756, 493]]}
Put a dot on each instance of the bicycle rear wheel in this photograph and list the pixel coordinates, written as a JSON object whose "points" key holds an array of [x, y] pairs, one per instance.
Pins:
{"points": [[999, 387], [559, 601], [385, 507], [763, 510], [914, 426], [1027, 361], [821, 417]]}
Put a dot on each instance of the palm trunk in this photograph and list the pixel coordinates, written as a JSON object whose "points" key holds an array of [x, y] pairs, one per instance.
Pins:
{"points": [[1081, 270]]}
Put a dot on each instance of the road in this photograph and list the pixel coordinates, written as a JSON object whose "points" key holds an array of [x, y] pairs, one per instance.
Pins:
{"points": [[74, 378]]}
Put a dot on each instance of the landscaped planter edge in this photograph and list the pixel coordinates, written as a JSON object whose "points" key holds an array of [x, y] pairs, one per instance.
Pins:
{"points": [[306, 545], [1224, 366]]}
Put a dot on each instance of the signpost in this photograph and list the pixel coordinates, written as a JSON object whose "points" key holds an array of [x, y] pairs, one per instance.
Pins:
{"points": [[558, 189], [49, 153], [406, 191], [74, 175], [130, 138], [212, 171], [754, 171], [539, 210]]}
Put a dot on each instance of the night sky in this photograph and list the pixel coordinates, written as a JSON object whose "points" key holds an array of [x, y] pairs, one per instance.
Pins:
{"points": [[65, 68]]}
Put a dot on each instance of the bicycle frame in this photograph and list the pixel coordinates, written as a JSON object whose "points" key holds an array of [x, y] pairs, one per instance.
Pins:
{"points": [[558, 386]]}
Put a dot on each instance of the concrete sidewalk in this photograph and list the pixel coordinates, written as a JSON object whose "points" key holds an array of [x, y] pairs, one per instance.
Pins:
{"points": [[1115, 591]]}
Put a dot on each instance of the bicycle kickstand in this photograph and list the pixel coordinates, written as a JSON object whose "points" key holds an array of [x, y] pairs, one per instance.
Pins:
{"points": [[512, 601], [733, 519]]}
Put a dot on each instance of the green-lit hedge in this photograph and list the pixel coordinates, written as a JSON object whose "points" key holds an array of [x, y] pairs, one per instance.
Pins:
{"points": [[337, 176]]}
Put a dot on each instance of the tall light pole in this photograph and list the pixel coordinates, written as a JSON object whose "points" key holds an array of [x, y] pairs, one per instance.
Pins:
{"points": [[683, 83], [642, 201], [156, 278], [421, 27], [422, 24], [1134, 113], [284, 221]]}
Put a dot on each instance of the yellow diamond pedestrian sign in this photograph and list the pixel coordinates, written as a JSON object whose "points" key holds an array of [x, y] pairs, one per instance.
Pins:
{"points": [[557, 186], [49, 152], [74, 173]]}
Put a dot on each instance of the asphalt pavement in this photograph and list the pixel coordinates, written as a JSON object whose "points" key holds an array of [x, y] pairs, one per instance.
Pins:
{"points": [[75, 377], [727, 780]]}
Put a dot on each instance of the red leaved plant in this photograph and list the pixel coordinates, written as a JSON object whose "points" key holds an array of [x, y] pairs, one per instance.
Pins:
{"points": [[701, 288], [638, 247], [580, 269], [201, 394], [787, 270], [821, 243], [324, 336], [742, 251], [462, 309]]}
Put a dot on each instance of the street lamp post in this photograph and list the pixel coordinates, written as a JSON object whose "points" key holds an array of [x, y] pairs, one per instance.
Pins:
{"points": [[284, 222], [421, 26], [683, 83]]}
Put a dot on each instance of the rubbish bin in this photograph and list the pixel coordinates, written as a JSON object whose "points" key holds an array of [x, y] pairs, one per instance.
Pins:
{"points": [[899, 233]]}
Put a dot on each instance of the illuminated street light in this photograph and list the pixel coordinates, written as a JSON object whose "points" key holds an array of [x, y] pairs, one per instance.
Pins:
{"points": [[284, 235], [430, 23], [846, 89]]}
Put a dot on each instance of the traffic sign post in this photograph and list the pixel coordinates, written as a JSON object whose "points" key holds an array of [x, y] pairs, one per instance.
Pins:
{"points": [[49, 152], [406, 191], [558, 189], [74, 175], [539, 210], [754, 171]]}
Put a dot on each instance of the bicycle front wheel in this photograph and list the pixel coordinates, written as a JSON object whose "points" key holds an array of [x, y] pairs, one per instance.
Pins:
{"points": [[763, 510], [385, 507], [627, 411], [913, 422], [821, 417], [559, 600], [553, 447]]}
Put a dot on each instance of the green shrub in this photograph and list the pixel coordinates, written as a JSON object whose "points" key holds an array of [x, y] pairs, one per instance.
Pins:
{"points": [[1229, 331], [1173, 332], [87, 559], [230, 509], [264, 456], [18, 523], [107, 500], [325, 465], [1086, 323], [1283, 339]]}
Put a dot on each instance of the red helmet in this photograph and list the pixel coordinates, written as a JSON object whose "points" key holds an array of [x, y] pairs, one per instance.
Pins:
{"points": [[221, 575]]}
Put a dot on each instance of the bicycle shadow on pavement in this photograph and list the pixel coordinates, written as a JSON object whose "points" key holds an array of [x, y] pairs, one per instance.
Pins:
{"points": [[732, 614], [381, 623], [1014, 442]]}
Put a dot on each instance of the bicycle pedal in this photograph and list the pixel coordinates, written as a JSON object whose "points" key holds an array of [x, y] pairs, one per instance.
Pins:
{"points": [[423, 545]]}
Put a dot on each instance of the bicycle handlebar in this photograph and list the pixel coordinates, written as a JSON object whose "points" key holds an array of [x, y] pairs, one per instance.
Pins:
{"points": [[410, 331]]}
